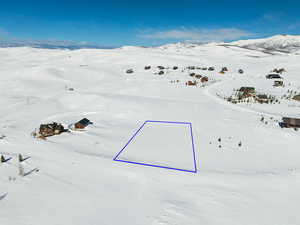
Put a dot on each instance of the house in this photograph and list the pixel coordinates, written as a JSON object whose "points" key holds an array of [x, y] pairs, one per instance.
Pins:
{"points": [[191, 67], [129, 71], [290, 122], [82, 124], [47, 130], [147, 67], [245, 92], [273, 76], [278, 83], [204, 79], [224, 69], [262, 98], [296, 97], [211, 68], [191, 83], [241, 71]]}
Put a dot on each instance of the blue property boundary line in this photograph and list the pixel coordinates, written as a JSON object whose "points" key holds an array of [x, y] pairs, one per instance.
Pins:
{"points": [[152, 165]]}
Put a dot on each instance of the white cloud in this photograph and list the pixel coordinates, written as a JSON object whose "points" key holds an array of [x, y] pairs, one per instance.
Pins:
{"points": [[223, 34]]}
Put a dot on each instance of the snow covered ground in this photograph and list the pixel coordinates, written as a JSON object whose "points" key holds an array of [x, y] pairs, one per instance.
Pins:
{"points": [[78, 182]]}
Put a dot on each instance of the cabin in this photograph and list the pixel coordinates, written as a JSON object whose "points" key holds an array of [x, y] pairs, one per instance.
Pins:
{"points": [[281, 70], [273, 76], [290, 122], [191, 67], [175, 67], [204, 79], [191, 83], [211, 68], [147, 67], [245, 92], [262, 98], [161, 67], [241, 71], [297, 97], [192, 74], [47, 130], [224, 69], [129, 71], [161, 72], [278, 83], [82, 124], [198, 76]]}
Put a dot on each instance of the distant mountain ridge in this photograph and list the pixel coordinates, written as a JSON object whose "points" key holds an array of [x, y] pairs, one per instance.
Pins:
{"points": [[277, 43], [280, 43], [49, 44], [274, 44]]}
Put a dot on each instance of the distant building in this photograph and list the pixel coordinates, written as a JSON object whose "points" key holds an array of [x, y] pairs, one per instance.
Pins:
{"points": [[278, 83], [273, 76], [296, 97], [82, 124], [290, 122], [245, 92]]}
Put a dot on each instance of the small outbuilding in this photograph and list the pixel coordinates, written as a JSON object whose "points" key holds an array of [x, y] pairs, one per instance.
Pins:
{"points": [[290, 122], [82, 124]]}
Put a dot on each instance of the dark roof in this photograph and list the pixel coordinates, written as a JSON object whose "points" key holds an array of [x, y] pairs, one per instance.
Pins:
{"points": [[85, 121], [262, 96], [273, 76], [247, 89]]}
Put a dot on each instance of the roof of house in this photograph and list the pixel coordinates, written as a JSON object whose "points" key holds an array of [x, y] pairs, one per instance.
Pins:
{"points": [[84, 121], [247, 89], [273, 76]]}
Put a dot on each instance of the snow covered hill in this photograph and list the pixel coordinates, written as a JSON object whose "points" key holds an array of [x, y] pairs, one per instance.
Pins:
{"points": [[277, 43], [274, 44], [248, 169]]}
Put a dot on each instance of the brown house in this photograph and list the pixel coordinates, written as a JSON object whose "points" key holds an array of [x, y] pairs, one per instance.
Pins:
{"points": [[290, 122], [296, 97], [82, 124], [47, 130]]}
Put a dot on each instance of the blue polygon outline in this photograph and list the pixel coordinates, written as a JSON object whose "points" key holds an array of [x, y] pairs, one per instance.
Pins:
{"points": [[165, 167]]}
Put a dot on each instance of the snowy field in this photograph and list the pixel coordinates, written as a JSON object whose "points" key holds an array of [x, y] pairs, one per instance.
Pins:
{"points": [[77, 181]]}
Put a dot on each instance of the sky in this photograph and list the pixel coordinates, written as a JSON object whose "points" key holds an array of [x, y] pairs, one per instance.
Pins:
{"points": [[147, 23]]}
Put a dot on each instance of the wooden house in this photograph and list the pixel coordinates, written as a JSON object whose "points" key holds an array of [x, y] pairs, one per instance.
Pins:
{"points": [[278, 83], [290, 122], [82, 124], [297, 98]]}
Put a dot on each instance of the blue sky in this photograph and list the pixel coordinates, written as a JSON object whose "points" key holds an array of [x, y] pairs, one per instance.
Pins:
{"points": [[115, 22]]}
